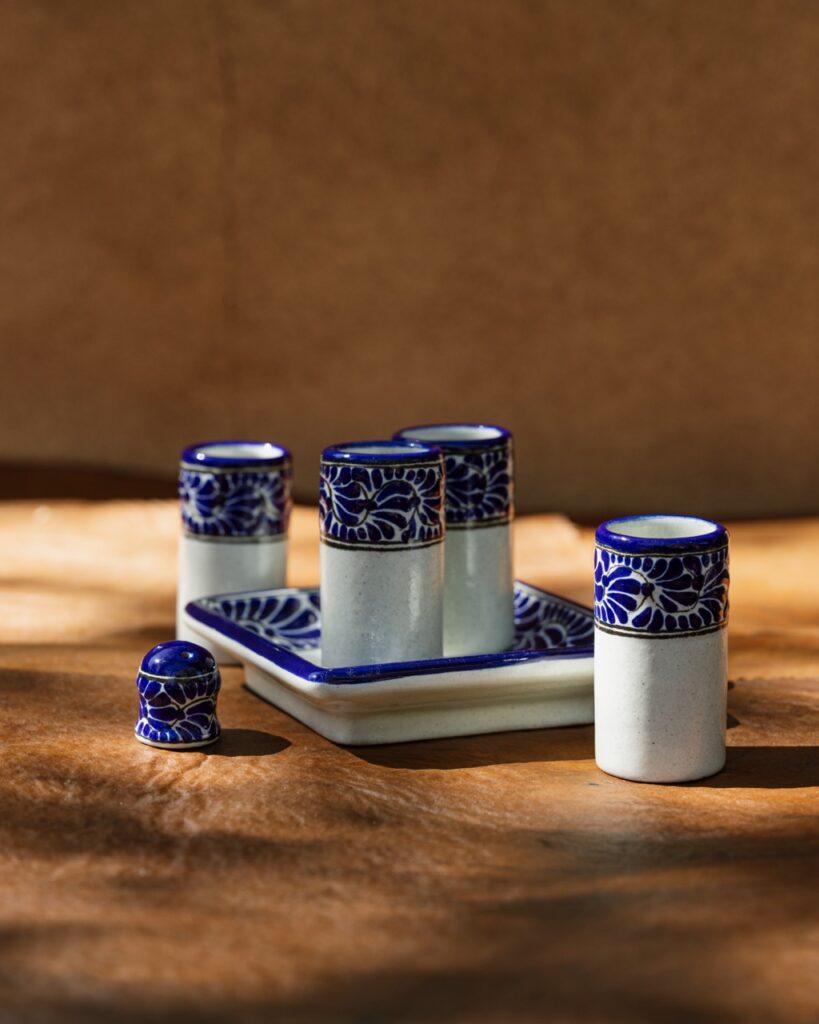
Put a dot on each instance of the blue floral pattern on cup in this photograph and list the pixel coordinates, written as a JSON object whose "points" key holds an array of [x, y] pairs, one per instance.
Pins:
{"points": [[178, 712], [479, 486], [661, 595], [396, 506], [236, 503]]}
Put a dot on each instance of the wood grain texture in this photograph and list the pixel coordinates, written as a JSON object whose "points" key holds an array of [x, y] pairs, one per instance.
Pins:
{"points": [[489, 879]]}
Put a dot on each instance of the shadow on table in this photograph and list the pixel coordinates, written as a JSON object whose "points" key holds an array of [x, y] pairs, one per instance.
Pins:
{"points": [[571, 743], [766, 768], [246, 743]]}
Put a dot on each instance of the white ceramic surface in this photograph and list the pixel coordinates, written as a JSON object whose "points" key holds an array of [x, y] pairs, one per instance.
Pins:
{"points": [[660, 706], [660, 664], [235, 508], [381, 605], [527, 696], [478, 612], [478, 601], [545, 681], [381, 521], [210, 566]]}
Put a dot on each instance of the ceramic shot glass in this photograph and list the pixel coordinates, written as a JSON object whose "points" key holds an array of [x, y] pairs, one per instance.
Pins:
{"points": [[660, 652], [381, 514], [235, 505], [478, 589]]}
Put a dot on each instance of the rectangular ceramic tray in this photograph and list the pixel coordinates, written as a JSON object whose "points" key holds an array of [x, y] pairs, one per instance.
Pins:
{"points": [[544, 680]]}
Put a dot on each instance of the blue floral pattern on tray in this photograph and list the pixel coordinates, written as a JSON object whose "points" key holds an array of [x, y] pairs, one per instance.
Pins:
{"points": [[543, 622], [661, 595], [178, 711], [292, 618], [237, 503], [479, 486], [397, 506]]}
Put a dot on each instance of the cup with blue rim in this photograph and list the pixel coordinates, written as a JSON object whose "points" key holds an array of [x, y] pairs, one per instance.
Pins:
{"points": [[480, 507], [235, 506], [381, 517]]}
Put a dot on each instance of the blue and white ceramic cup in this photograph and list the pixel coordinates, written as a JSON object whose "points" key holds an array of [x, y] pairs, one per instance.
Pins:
{"points": [[660, 650], [381, 518], [235, 505], [478, 591]]}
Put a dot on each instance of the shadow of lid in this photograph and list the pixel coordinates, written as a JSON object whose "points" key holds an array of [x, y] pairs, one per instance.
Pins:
{"points": [[246, 743]]}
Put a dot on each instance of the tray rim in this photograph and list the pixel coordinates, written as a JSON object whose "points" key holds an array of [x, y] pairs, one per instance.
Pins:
{"points": [[307, 671]]}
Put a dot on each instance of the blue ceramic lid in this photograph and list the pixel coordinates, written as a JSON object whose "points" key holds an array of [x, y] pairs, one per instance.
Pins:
{"points": [[178, 659]]}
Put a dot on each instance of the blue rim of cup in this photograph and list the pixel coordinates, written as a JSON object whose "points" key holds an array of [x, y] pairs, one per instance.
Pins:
{"points": [[608, 536], [500, 436], [392, 452], [198, 456]]}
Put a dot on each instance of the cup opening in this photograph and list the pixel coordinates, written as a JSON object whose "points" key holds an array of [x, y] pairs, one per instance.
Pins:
{"points": [[247, 451], [235, 453], [372, 449], [455, 433], [380, 451], [663, 527], [664, 534]]}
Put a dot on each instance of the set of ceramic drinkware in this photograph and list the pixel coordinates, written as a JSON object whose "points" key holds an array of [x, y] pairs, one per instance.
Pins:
{"points": [[416, 568]]}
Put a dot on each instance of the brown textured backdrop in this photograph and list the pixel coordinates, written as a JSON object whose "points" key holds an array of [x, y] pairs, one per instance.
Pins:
{"points": [[593, 221]]}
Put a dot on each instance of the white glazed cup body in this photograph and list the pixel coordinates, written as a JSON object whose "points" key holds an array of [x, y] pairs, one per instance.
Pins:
{"points": [[381, 606], [382, 558], [235, 503], [660, 659], [209, 567], [478, 593]]}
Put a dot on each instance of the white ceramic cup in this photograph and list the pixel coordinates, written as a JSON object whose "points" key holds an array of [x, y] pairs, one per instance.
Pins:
{"points": [[478, 591], [235, 507], [660, 654], [382, 569]]}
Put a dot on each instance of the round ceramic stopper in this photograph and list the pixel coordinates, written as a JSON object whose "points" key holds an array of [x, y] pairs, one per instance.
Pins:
{"points": [[178, 683]]}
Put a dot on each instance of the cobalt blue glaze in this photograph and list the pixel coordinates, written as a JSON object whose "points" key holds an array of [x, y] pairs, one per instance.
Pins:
{"points": [[479, 472], [178, 683], [607, 536], [660, 586], [390, 498], [235, 495], [401, 453], [179, 660], [281, 624]]}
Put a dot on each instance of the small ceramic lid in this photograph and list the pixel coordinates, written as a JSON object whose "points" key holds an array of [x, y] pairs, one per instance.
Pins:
{"points": [[178, 659]]}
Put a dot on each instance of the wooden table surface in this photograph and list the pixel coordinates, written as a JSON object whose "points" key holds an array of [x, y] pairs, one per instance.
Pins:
{"points": [[490, 879]]}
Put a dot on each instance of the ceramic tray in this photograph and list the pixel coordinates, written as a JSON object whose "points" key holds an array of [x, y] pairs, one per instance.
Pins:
{"points": [[544, 680]]}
